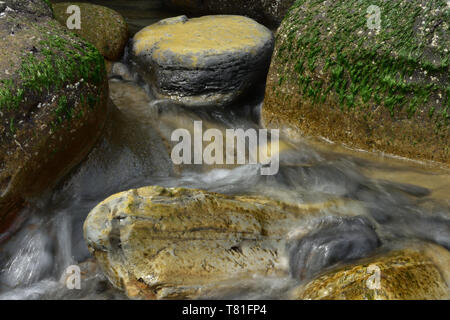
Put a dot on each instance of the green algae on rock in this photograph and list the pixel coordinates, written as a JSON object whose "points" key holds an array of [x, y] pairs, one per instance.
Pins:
{"points": [[157, 243], [210, 60], [53, 93], [385, 90], [101, 26], [415, 273]]}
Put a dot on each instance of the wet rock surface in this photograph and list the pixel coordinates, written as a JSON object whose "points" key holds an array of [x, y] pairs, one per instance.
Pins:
{"points": [[137, 13], [210, 60], [53, 93], [157, 243], [374, 89], [105, 28], [416, 273], [315, 230]]}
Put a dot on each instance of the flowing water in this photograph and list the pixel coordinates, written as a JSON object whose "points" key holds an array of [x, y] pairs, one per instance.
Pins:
{"points": [[390, 201]]}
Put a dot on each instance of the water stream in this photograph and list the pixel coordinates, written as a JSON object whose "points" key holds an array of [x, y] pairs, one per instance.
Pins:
{"points": [[397, 200]]}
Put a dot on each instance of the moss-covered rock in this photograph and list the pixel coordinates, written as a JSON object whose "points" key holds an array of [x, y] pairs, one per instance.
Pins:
{"points": [[414, 273], [40, 8], [267, 12], [53, 93], [101, 26], [381, 89]]}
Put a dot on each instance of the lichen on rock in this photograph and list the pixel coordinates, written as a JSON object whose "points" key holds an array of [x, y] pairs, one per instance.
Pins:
{"points": [[40, 8], [210, 60], [414, 273], [160, 243]]}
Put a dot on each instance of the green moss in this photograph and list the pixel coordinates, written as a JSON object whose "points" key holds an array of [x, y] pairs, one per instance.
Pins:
{"points": [[60, 62], [12, 127], [101, 26], [63, 110], [8, 95], [365, 70]]}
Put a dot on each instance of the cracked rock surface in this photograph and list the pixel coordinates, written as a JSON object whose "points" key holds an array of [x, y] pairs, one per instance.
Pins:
{"points": [[382, 89], [160, 243], [177, 243]]}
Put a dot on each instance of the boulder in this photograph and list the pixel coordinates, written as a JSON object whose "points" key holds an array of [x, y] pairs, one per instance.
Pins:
{"points": [[335, 74], [414, 273], [53, 94], [103, 27], [40, 8], [210, 60], [267, 12], [159, 243]]}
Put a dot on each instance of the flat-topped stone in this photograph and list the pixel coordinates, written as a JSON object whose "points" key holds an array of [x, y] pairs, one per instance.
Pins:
{"points": [[209, 60]]}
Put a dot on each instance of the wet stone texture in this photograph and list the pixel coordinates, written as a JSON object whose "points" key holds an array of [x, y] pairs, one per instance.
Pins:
{"points": [[210, 60], [415, 273], [103, 27], [53, 93], [158, 243], [380, 89]]}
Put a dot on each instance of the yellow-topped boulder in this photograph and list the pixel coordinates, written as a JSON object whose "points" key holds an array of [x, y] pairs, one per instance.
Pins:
{"points": [[209, 60]]}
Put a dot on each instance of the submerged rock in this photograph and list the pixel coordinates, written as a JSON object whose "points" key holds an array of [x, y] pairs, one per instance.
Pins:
{"points": [[268, 12], [414, 273], [53, 93], [105, 28], [335, 74], [210, 60], [160, 243]]}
